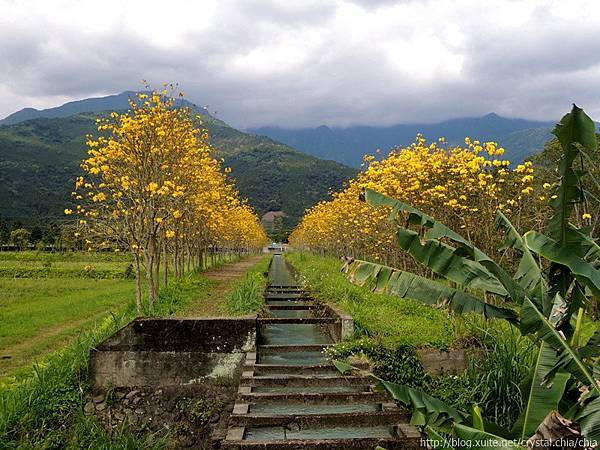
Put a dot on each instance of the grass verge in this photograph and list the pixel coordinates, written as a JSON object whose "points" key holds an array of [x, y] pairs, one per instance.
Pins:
{"points": [[246, 296], [391, 320], [43, 407]]}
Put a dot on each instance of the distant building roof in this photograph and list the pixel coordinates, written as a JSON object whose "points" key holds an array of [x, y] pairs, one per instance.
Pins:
{"points": [[272, 215]]}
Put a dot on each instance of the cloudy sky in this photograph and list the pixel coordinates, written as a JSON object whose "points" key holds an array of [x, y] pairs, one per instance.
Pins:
{"points": [[297, 63]]}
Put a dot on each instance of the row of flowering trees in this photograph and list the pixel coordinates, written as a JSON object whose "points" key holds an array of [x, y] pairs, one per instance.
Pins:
{"points": [[152, 187], [461, 185]]}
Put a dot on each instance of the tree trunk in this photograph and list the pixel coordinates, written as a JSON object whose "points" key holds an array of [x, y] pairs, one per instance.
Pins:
{"points": [[166, 256], [157, 269], [150, 281], [553, 429], [138, 284]]}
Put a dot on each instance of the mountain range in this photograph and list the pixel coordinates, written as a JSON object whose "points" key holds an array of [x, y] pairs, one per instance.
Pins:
{"points": [[519, 137], [40, 152]]}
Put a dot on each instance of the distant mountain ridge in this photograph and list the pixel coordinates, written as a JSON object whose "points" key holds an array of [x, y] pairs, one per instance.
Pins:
{"points": [[520, 137], [40, 157], [114, 102]]}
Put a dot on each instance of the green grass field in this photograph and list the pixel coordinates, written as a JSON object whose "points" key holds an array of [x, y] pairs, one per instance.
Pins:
{"points": [[39, 315]]}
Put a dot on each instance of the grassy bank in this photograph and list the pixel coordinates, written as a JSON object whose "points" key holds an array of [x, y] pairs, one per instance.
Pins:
{"points": [[391, 320], [42, 407], [246, 295]]}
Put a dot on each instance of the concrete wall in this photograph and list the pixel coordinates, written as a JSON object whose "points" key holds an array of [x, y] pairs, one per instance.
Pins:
{"points": [[439, 361], [163, 352], [344, 326]]}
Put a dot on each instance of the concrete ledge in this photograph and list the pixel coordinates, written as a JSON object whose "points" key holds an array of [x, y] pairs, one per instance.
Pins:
{"points": [[438, 361], [166, 352], [343, 327]]}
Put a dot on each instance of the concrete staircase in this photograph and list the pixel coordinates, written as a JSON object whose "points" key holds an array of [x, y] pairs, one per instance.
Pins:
{"points": [[292, 397]]}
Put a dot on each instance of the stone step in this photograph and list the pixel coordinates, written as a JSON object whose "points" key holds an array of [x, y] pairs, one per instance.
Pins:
{"points": [[291, 306], [242, 417], [286, 295], [291, 312], [314, 370], [391, 437], [285, 291], [309, 388], [245, 395], [271, 348], [302, 320], [303, 380], [281, 286], [294, 357]]}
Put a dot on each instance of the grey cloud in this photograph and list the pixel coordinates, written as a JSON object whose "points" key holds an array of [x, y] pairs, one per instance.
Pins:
{"points": [[534, 71]]}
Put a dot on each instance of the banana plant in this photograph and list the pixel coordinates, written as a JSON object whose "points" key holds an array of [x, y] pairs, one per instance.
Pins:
{"points": [[543, 303]]}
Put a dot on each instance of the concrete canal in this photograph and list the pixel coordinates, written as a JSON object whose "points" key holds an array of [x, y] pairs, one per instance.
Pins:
{"points": [[292, 397]]}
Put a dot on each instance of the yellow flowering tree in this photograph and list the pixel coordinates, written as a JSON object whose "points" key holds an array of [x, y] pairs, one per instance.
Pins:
{"points": [[460, 185], [152, 187]]}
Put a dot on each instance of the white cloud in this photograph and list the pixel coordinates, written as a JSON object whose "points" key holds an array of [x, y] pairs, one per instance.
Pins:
{"points": [[308, 62]]}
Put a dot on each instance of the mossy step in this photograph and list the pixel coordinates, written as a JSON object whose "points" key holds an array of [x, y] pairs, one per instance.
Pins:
{"points": [[311, 398], [305, 380], [318, 420], [298, 320]]}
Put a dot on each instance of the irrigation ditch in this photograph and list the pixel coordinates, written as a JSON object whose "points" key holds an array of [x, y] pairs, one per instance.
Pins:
{"points": [[253, 382]]}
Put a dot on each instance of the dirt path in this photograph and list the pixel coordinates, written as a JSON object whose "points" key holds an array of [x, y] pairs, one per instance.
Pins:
{"points": [[231, 271], [214, 303]]}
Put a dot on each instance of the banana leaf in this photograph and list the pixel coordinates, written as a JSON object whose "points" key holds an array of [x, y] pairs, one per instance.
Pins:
{"points": [[589, 420], [533, 321], [436, 440], [592, 348], [437, 230], [427, 410], [585, 245], [528, 274], [408, 285], [564, 256], [447, 262], [482, 440], [574, 130], [477, 418], [541, 399]]}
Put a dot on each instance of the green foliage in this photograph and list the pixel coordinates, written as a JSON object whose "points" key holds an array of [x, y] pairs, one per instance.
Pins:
{"points": [[178, 293], [497, 374], [247, 294], [246, 297], [399, 365], [20, 238], [200, 410], [545, 315]]}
